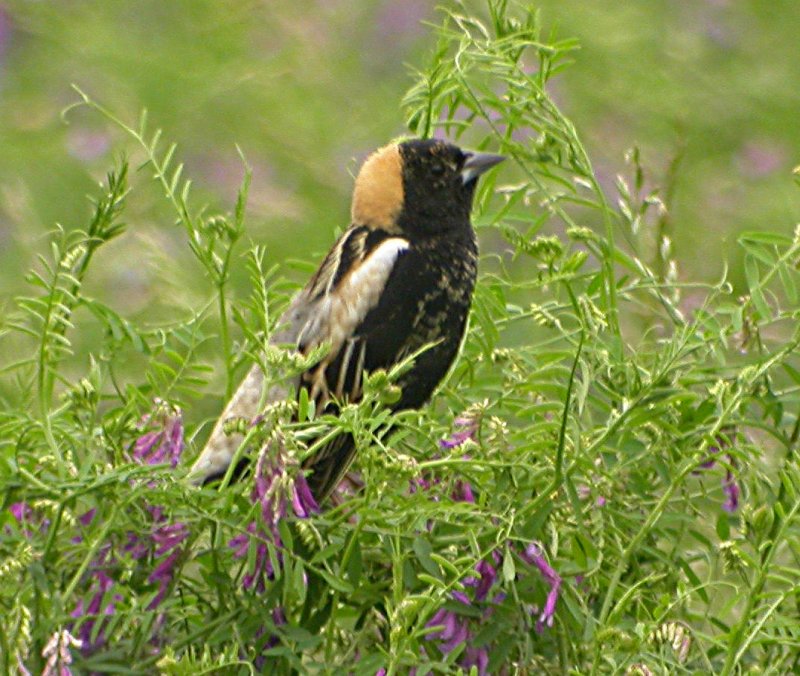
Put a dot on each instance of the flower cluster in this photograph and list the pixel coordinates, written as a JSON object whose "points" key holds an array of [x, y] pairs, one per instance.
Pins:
{"points": [[467, 426], [57, 654], [273, 492], [450, 627], [456, 628], [163, 442], [87, 612], [676, 635], [164, 546], [29, 519]]}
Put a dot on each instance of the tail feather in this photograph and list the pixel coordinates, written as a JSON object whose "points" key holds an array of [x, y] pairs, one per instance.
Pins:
{"points": [[247, 403], [330, 465]]}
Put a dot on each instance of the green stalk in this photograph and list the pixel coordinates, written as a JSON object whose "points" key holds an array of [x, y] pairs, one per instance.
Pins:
{"points": [[737, 645]]}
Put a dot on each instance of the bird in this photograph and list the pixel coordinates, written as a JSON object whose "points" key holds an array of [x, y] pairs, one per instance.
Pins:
{"points": [[398, 282]]}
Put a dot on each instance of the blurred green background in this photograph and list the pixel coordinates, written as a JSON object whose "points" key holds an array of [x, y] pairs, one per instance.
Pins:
{"points": [[307, 89]]}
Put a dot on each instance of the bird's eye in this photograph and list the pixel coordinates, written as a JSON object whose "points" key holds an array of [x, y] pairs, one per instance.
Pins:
{"points": [[437, 169]]}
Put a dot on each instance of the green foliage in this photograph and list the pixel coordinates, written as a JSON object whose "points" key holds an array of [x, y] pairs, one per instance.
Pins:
{"points": [[602, 413]]}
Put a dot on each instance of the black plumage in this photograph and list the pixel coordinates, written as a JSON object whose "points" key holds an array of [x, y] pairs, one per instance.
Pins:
{"points": [[398, 280]]}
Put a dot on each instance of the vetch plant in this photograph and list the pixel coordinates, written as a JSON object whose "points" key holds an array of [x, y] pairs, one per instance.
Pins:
{"points": [[607, 481]]}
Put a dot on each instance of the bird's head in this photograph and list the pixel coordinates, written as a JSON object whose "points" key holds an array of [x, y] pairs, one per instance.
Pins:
{"points": [[419, 186]]}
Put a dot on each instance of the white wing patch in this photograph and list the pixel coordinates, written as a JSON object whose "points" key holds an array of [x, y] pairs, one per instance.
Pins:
{"points": [[338, 314]]}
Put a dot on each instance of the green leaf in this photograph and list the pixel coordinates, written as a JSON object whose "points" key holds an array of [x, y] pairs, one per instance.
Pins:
{"points": [[336, 583], [753, 282], [693, 579], [789, 286], [509, 568], [422, 548], [761, 237], [354, 563], [723, 527], [302, 405]]}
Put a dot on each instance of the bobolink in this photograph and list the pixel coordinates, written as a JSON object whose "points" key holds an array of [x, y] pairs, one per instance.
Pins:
{"points": [[399, 279]]}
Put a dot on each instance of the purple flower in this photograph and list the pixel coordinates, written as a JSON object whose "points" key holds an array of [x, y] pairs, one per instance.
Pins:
{"points": [[86, 144], [467, 426], [163, 573], [476, 657], [163, 443], [585, 492], [466, 430], [165, 569], [163, 543], [303, 500], [26, 515], [262, 565], [463, 491], [21, 511], [533, 556], [87, 613], [164, 540], [729, 484], [486, 579], [710, 462], [278, 616], [454, 628], [423, 483], [170, 536], [398, 22], [731, 489], [278, 619], [273, 491], [760, 158], [136, 547], [462, 598], [86, 518]]}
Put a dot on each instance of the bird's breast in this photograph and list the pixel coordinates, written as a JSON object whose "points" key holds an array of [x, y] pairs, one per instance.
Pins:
{"points": [[444, 294]]}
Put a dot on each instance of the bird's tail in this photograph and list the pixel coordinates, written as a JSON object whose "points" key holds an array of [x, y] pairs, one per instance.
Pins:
{"points": [[330, 465], [220, 449]]}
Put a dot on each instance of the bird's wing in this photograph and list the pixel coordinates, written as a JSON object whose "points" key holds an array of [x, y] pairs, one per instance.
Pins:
{"points": [[350, 283], [347, 285]]}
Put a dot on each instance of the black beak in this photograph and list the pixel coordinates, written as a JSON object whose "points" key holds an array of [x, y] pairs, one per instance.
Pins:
{"points": [[477, 164]]}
